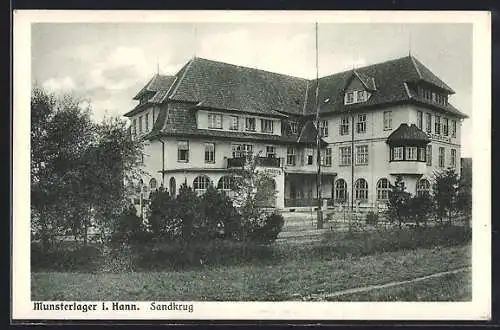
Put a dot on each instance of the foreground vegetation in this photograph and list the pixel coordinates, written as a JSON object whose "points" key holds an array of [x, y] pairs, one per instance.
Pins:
{"points": [[291, 279]]}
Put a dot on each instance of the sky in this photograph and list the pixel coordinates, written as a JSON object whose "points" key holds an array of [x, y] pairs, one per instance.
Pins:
{"points": [[106, 64]]}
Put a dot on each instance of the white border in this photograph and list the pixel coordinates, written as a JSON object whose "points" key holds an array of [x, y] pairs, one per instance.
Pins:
{"points": [[479, 308]]}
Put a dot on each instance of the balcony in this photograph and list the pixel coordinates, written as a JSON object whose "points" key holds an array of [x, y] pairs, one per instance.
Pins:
{"points": [[407, 167], [261, 161]]}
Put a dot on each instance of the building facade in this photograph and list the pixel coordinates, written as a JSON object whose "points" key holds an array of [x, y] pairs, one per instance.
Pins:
{"points": [[376, 123]]}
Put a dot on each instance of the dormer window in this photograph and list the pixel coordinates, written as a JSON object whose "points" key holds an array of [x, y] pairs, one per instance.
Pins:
{"points": [[349, 98], [356, 97], [293, 127]]}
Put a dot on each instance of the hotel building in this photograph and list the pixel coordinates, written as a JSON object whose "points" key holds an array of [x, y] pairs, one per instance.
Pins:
{"points": [[376, 122]]}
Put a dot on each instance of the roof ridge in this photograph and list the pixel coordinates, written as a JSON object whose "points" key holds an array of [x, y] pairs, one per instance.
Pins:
{"points": [[250, 68], [416, 67], [367, 66]]}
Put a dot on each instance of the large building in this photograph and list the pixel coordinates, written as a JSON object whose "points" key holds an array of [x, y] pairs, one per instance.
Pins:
{"points": [[376, 122]]}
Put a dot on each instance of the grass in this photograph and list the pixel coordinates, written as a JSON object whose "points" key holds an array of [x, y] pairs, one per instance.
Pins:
{"points": [[451, 287], [299, 275]]}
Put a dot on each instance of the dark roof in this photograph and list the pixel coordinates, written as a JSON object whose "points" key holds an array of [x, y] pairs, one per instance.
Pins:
{"points": [[389, 83], [407, 134], [155, 84], [228, 86], [179, 120], [216, 85]]}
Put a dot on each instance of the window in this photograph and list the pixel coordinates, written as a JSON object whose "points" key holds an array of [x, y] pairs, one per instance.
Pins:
{"points": [[225, 184], [423, 187], [453, 158], [310, 156], [266, 126], [250, 124], [411, 153], [428, 122], [361, 124], [429, 155], [362, 155], [349, 98], [140, 124], [271, 151], [453, 128], [421, 154], [152, 183], [183, 151], [290, 156], [419, 119], [397, 153], [437, 125], [361, 187], [323, 128], [341, 190], [210, 153], [134, 127], [445, 126], [383, 189], [361, 96], [328, 157], [293, 127], [241, 150], [200, 184], [387, 120], [344, 125], [234, 126], [441, 157], [345, 155], [214, 121], [146, 123]]}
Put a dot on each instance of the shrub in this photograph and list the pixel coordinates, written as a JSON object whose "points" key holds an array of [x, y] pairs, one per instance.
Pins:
{"points": [[267, 229], [66, 258], [371, 218], [397, 205], [163, 219], [129, 228], [219, 218]]}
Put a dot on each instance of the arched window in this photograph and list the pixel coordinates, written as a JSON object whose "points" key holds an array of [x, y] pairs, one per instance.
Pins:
{"points": [[152, 183], [200, 184], [225, 184], [172, 187], [341, 190], [423, 186], [361, 187], [383, 189]]}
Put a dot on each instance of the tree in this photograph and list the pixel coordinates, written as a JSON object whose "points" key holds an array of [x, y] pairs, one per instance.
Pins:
{"points": [[219, 216], [420, 207], [77, 168], [398, 202], [464, 198], [163, 215], [445, 191], [254, 187]]}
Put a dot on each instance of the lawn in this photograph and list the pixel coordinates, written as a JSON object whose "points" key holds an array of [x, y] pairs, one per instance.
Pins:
{"points": [[451, 287], [283, 280]]}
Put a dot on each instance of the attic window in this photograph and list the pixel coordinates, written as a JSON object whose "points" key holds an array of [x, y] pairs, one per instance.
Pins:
{"points": [[356, 97]]}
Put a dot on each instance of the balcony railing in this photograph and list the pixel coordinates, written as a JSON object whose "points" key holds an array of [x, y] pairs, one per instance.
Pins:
{"points": [[261, 161]]}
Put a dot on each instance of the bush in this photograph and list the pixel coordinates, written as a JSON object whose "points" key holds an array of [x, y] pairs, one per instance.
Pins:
{"points": [[66, 258], [219, 218], [267, 231], [371, 218], [129, 228], [177, 255]]}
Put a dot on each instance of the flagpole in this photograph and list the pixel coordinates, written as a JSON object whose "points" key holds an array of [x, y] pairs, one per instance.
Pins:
{"points": [[319, 222]]}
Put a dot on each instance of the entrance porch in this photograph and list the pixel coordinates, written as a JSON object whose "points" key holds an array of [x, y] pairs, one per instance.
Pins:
{"points": [[300, 189]]}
